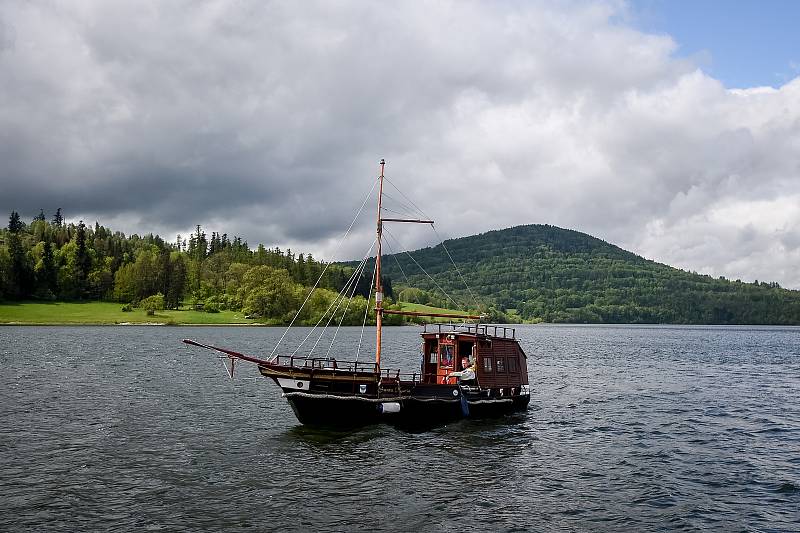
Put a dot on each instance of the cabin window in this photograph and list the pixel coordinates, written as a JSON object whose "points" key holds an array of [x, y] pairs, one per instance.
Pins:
{"points": [[431, 348], [501, 368], [446, 354], [512, 364], [487, 364]]}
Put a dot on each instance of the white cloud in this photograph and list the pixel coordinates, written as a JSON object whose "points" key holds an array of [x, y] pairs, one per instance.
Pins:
{"points": [[268, 119]]}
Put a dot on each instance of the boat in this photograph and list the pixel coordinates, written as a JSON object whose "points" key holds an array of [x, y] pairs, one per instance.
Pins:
{"points": [[468, 369]]}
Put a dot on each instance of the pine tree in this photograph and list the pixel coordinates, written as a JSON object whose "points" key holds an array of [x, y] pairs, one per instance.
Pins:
{"points": [[301, 274], [83, 261], [201, 244], [58, 220], [177, 283], [49, 274], [20, 284], [14, 223]]}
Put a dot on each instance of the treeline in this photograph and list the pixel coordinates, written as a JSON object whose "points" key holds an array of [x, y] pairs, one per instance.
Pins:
{"points": [[549, 274], [535, 273], [54, 260]]}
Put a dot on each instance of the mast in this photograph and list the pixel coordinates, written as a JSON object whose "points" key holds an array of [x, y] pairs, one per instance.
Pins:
{"points": [[379, 310], [378, 282]]}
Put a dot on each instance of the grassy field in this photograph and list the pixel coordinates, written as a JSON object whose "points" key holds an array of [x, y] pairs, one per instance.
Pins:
{"points": [[421, 308], [88, 313], [106, 313]]}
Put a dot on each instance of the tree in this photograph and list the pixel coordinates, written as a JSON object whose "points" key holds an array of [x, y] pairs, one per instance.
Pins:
{"points": [[153, 303], [269, 292], [58, 220], [5, 272], [49, 276], [125, 283], [146, 273], [214, 270], [301, 274], [83, 262], [177, 282], [214, 246], [14, 223], [20, 283]]}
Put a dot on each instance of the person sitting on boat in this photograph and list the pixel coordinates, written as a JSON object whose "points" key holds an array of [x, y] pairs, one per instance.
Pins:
{"points": [[468, 372]]}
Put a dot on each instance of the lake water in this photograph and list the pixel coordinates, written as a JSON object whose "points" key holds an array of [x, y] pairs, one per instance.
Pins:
{"points": [[629, 429]]}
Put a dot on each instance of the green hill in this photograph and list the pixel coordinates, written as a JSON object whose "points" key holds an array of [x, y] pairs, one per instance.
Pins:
{"points": [[545, 273]]}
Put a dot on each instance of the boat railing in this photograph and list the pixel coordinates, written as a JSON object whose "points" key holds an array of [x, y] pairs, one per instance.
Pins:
{"points": [[475, 329], [395, 377], [393, 373], [356, 367], [326, 363]]}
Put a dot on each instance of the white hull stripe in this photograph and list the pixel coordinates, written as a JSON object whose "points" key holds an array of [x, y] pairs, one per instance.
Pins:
{"points": [[297, 384], [478, 402]]}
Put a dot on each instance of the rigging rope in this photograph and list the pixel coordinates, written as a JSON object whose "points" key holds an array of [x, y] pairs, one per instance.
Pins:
{"points": [[424, 215], [472, 294], [349, 301], [404, 214], [366, 311], [394, 255], [421, 268], [346, 286], [399, 203], [360, 266], [338, 246]]}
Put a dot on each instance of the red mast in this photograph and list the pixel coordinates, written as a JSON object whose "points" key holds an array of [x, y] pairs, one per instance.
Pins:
{"points": [[378, 283]]}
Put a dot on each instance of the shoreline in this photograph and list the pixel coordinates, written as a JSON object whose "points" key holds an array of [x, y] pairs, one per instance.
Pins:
{"points": [[166, 324], [97, 313], [410, 324]]}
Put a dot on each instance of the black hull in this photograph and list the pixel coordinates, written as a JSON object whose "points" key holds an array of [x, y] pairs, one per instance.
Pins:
{"points": [[412, 412]]}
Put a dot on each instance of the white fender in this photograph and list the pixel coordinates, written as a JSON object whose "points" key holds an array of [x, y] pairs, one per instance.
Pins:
{"points": [[389, 407]]}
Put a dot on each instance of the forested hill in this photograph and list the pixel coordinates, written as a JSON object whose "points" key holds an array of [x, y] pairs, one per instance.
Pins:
{"points": [[545, 273]]}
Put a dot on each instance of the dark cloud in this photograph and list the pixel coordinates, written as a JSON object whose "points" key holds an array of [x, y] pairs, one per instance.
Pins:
{"points": [[267, 120]]}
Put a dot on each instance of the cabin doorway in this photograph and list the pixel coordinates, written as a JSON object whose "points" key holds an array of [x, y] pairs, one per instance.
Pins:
{"points": [[447, 360], [466, 350], [443, 356]]}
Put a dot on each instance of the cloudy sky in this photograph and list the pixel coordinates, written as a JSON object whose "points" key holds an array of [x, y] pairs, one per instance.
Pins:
{"points": [[669, 129]]}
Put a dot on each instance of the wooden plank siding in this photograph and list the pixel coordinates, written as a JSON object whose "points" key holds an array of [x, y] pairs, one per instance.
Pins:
{"points": [[501, 350]]}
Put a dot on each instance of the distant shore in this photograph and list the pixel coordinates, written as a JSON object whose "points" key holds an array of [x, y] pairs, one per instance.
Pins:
{"points": [[111, 314], [148, 324]]}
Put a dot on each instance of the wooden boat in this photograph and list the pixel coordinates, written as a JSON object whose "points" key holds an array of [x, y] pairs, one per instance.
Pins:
{"points": [[467, 370]]}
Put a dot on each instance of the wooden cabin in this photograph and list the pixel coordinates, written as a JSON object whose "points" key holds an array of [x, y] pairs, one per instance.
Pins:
{"points": [[500, 361]]}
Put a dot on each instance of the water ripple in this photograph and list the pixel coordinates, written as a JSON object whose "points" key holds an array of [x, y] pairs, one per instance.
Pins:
{"points": [[630, 428]]}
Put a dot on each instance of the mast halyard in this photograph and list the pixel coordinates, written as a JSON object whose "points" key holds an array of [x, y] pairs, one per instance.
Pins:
{"points": [[378, 282]]}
